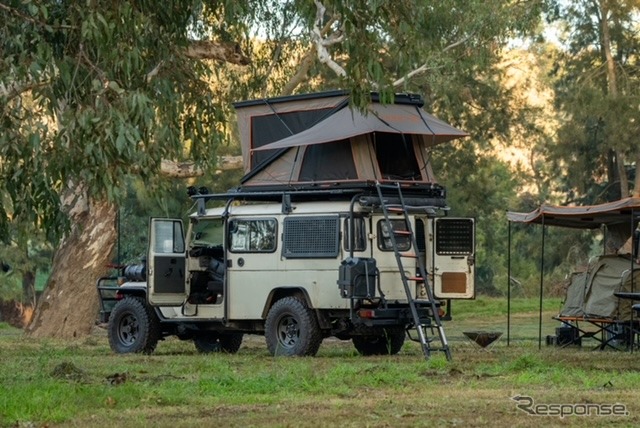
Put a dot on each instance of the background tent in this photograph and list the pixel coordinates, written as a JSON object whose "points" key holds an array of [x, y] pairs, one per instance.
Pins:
{"points": [[574, 299], [312, 140], [626, 210], [608, 275]]}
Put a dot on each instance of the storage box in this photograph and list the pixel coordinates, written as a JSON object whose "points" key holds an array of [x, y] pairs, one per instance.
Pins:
{"points": [[567, 336], [357, 278]]}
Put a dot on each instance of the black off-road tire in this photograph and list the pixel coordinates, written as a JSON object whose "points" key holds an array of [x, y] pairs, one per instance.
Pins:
{"points": [[291, 329], [212, 341], [388, 343], [133, 327]]}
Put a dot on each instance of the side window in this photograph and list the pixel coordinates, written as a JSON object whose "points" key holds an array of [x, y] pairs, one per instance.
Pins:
{"points": [[253, 236], [359, 235], [384, 236], [168, 236], [207, 232], [421, 238]]}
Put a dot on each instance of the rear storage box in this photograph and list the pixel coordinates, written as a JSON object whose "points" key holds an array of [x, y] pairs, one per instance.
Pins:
{"points": [[357, 278]]}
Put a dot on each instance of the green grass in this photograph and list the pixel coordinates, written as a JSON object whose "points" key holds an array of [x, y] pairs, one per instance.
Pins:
{"points": [[82, 383]]}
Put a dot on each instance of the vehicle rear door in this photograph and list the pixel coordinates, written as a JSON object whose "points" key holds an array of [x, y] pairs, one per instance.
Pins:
{"points": [[453, 258]]}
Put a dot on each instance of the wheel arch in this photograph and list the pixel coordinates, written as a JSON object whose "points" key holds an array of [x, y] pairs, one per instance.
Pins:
{"points": [[137, 291], [282, 292]]}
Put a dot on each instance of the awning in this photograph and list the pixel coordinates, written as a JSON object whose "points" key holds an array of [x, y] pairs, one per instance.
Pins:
{"points": [[393, 118], [584, 217]]}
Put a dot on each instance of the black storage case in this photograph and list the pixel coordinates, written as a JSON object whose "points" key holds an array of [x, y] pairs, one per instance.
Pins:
{"points": [[567, 336], [357, 278]]}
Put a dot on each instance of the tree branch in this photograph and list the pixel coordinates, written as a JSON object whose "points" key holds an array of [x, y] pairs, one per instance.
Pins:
{"points": [[9, 92], [153, 73], [306, 63], [208, 49], [188, 169], [321, 42], [425, 67], [220, 51], [175, 169], [301, 74]]}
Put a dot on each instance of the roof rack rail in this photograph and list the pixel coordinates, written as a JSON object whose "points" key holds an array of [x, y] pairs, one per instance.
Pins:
{"points": [[433, 196]]}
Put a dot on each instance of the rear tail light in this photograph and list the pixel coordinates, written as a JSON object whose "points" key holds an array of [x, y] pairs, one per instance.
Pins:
{"points": [[367, 313]]}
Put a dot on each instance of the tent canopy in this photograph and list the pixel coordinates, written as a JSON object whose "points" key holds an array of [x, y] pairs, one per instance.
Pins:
{"points": [[315, 140], [584, 217], [599, 299], [394, 119]]}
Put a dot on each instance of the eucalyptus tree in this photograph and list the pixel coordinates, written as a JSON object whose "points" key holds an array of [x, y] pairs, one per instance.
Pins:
{"points": [[598, 93], [97, 92]]}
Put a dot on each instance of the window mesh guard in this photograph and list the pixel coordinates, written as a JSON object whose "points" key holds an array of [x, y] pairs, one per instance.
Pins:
{"points": [[454, 236], [307, 237]]}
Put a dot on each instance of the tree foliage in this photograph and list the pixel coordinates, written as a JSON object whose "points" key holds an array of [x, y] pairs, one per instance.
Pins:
{"points": [[95, 95], [597, 144]]}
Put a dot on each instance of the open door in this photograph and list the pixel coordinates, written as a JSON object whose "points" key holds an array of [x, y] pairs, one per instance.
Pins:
{"points": [[454, 258], [166, 263]]}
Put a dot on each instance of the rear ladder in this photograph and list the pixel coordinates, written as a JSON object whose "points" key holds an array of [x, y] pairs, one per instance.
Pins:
{"points": [[421, 279]]}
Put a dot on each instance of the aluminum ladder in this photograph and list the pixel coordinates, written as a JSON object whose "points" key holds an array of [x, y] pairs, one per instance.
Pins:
{"points": [[421, 279]]}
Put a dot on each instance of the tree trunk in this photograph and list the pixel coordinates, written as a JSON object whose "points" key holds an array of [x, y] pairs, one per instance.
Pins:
{"points": [[28, 288], [612, 81], [69, 305]]}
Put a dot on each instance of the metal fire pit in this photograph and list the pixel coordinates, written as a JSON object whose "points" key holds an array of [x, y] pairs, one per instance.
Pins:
{"points": [[484, 339]]}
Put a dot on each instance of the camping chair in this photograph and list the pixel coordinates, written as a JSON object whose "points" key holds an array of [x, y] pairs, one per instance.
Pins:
{"points": [[600, 315], [607, 332]]}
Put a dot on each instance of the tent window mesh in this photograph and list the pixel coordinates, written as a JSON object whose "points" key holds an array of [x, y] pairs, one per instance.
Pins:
{"points": [[328, 161], [396, 157], [311, 237], [273, 127]]}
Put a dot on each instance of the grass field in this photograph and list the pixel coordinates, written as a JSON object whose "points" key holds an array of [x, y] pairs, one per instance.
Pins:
{"points": [[82, 383]]}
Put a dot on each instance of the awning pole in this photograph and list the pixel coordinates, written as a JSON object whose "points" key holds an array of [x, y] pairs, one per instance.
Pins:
{"points": [[509, 285], [541, 284], [633, 246]]}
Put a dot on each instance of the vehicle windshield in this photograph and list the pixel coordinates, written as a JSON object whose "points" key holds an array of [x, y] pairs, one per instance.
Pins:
{"points": [[207, 232]]}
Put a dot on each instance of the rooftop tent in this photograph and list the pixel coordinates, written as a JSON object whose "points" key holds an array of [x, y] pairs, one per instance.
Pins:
{"points": [[317, 140], [261, 122], [393, 119]]}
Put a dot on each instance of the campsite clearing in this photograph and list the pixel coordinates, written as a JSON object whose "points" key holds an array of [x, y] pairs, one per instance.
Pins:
{"points": [[78, 384]]}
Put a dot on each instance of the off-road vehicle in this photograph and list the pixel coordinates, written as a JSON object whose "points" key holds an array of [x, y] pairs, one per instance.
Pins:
{"points": [[359, 248]]}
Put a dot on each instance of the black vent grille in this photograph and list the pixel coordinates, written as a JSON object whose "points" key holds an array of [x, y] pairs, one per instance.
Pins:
{"points": [[454, 236], [311, 237]]}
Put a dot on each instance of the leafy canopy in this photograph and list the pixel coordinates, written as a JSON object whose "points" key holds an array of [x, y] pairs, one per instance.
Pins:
{"points": [[94, 92], [599, 121]]}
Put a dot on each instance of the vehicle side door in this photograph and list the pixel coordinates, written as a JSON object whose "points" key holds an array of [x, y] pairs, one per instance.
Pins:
{"points": [[166, 262]]}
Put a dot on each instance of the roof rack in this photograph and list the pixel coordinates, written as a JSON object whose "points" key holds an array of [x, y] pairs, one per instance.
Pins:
{"points": [[429, 197]]}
